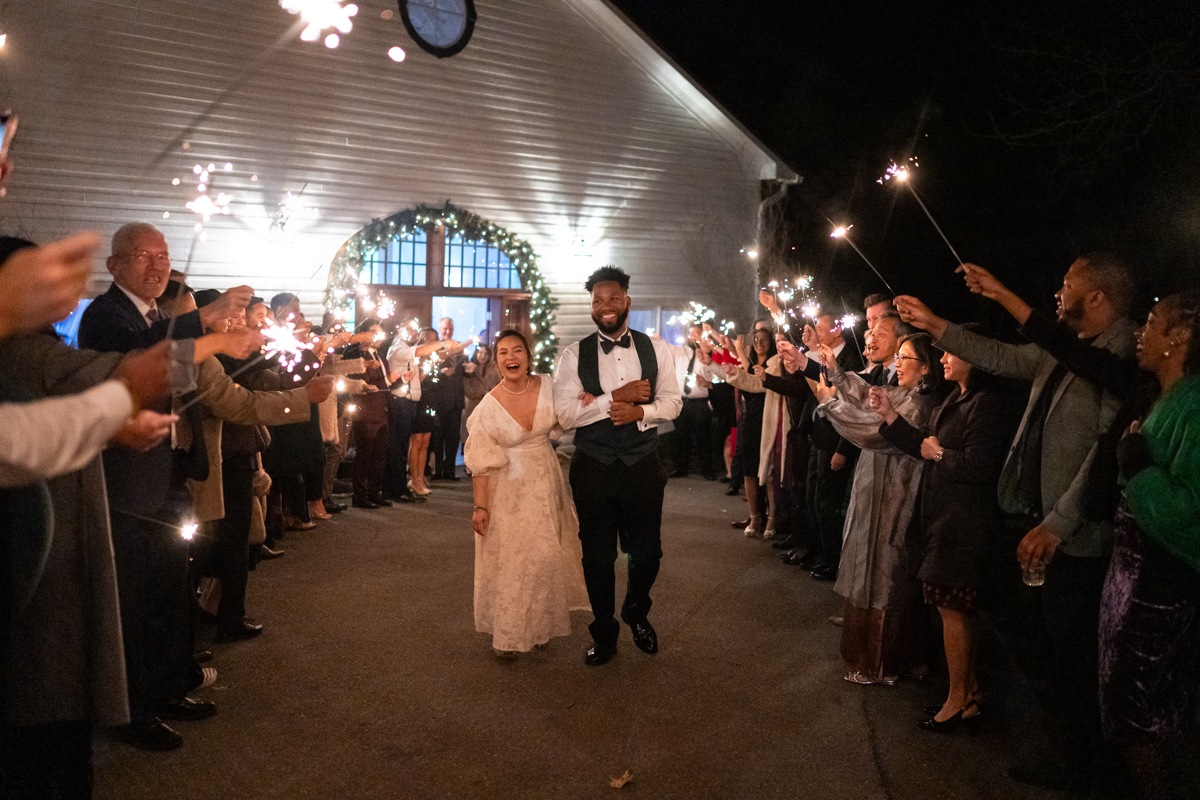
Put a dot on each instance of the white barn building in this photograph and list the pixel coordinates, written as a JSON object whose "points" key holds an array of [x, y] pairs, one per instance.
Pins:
{"points": [[558, 122]]}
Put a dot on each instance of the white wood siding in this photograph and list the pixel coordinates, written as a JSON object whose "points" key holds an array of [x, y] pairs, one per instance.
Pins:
{"points": [[551, 123]]}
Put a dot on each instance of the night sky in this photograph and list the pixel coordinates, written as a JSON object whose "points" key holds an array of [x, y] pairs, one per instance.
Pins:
{"points": [[1043, 131]]}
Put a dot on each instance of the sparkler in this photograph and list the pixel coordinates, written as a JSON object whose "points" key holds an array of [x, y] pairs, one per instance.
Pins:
{"points": [[321, 14], [903, 176], [188, 531], [843, 232], [283, 346]]}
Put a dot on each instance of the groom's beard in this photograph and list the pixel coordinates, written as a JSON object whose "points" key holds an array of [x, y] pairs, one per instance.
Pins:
{"points": [[615, 328]]}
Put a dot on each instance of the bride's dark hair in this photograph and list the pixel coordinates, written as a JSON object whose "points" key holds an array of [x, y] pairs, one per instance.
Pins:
{"points": [[515, 334]]}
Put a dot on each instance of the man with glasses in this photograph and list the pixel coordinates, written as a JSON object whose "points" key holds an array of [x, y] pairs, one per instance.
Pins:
{"points": [[127, 317]]}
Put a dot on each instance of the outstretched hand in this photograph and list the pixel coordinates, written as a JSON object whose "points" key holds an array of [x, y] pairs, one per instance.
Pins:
{"points": [[768, 301], [980, 281], [917, 314], [881, 404]]}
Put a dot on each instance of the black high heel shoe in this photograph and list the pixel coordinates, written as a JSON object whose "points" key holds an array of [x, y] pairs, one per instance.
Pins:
{"points": [[953, 724], [974, 700]]}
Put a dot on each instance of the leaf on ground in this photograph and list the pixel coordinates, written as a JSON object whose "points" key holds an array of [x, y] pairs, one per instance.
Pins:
{"points": [[617, 783]]}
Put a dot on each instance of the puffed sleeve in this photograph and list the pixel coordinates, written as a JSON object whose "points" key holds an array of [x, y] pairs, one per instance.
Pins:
{"points": [[482, 453]]}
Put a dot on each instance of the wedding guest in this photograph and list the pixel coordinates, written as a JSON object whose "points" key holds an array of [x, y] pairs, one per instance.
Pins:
{"points": [[877, 572], [1151, 602], [528, 558], [371, 422], [448, 400], [962, 446], [751, 412], [1041, 488], [403, 363], [695, 372], [482, 375], [424, 419]]}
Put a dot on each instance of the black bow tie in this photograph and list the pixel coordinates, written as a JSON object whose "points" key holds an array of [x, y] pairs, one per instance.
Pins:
{"points": [[608, 345]]}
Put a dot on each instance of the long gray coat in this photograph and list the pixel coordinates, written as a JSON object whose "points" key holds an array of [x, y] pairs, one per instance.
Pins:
{"points": [[68, 659]]}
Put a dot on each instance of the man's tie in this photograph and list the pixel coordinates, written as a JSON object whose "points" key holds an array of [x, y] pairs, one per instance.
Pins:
{"points": [[155, 315], [608, 345]]}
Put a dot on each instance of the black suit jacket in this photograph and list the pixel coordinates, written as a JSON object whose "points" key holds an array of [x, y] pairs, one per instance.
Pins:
{"points": [[112, 323], [820, 429], [147, 484]]}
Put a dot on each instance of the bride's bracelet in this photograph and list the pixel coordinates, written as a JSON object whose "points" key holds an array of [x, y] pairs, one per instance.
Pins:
{"points": [[481, 508]]}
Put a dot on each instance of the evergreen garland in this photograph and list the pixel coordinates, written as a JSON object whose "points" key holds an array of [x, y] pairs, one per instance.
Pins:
{"points": [[345, 272]]}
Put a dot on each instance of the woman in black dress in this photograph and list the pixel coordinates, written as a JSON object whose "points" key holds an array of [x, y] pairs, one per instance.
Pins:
{"points": [[424, 420], [749, 426], [963, 446]]}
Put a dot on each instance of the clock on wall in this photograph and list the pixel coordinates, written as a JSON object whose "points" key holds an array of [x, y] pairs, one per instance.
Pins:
{"points": [[440, 27]]}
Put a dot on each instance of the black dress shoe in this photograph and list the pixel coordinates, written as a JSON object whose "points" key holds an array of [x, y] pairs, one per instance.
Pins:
{"points": [[248, 630], [408, 497], [334, 508], [732, 491], [794, 557], [786, 543], [825, 572], [153, 735], [643, 635], [740, 526], [364, 504], [597, 655], [202, 656], [812, 560], [379, 501], [186, 710]]}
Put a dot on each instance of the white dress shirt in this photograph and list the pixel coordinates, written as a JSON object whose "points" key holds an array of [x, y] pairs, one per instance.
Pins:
{"points": [[142, 306], [71, 431], [617, 368], [683, 357], [401, 358]]}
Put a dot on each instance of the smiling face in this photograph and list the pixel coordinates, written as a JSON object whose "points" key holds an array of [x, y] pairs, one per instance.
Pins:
{"points": [[1157, 338], [610, 307], [883, 341], [909, 369], [954, 368], [144, 266], [1073, 297], [446, 329], [829, 330], [512, 358], [762, 343], [876, 312], [256, 315]]}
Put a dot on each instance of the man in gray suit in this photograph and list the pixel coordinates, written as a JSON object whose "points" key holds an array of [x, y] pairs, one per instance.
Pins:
{"points": [[1041, 488]]}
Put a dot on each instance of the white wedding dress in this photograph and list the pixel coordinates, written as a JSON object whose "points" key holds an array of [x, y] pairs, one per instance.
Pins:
{"points": [[529, 565]]}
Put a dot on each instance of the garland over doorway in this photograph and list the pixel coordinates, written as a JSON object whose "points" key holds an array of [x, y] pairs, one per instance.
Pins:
{"points": [[345, 271]]}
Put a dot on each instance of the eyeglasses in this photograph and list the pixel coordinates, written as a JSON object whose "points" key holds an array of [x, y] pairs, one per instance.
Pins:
{"points": [[908, 358], [141, 258]]}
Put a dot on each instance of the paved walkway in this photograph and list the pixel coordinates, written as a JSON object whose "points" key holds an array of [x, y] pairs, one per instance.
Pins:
{"points": [[370, 682]]}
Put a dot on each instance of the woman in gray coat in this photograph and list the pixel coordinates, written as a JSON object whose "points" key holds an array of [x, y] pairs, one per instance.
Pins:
{"points": [[963, 447]]}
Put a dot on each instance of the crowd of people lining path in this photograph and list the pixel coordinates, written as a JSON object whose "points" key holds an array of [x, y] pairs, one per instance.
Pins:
{"points": [[928, 472]]}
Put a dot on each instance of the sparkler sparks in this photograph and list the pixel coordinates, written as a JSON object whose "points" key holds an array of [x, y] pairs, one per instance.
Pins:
{"points": [[189, 531], [848, 321], [322, 14], [842, 232], [283, 346], [901, 174]]}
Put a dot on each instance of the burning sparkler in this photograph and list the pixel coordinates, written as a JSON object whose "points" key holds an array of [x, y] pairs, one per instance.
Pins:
{"points": [[843, 232], [902, 174], [322, 14], [283, 346]]}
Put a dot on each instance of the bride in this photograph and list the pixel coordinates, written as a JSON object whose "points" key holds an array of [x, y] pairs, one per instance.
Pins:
{"points": [[528, 560]]}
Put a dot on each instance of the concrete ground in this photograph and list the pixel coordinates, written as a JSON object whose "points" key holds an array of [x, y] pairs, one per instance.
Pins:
{"points": [[371, 682]]}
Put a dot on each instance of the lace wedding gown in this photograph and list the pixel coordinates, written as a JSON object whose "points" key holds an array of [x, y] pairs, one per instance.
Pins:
{"points": [[529, 565]]}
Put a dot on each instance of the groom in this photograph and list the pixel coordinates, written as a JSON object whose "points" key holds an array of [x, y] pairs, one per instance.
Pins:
{"points": [[614, 388]]}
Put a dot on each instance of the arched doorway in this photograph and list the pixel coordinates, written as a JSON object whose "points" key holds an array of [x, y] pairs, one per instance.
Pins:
{"points": [[428, 262]]}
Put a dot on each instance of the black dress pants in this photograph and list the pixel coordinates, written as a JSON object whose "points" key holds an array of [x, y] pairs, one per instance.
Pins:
{"points": [[153, 590], [694, 424], [370, 459], [229, 552], [1052, 632], [445, 441], [827, 502], [618, 503]]}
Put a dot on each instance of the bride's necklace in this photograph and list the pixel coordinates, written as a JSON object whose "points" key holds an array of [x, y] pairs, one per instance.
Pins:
{"points": [[528, 383]]}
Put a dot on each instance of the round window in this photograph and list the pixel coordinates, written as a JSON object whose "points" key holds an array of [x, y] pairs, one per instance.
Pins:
{"points": [[441, 27]]}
